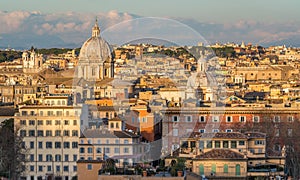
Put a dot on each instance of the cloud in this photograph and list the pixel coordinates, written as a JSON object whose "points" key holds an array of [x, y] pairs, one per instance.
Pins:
{"points": [[74, 27]]}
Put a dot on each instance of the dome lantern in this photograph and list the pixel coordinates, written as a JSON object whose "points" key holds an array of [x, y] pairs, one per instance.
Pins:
{"points": [[96, 29]]}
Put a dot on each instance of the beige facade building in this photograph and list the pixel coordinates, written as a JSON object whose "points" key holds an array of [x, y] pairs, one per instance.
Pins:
{"points": [[50, 132]]}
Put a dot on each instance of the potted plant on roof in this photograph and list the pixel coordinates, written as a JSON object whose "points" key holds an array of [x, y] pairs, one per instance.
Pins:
{"points": [[178, 167]]}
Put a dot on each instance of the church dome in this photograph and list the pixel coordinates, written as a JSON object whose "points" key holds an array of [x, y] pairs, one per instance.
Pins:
{"points": [[95, 48]]}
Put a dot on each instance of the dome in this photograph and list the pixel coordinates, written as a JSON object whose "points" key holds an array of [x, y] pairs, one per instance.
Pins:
{"points": [[95, 48]]}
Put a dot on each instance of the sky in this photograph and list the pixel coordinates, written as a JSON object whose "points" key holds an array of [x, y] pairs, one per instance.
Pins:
{"points": [[204, 10], [257, 21]]}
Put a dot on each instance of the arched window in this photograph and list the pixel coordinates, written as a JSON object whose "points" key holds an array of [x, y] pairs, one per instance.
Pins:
{"points": [[201, 169], [238, 170], [225, 168], [111, 125], [213, 168]]}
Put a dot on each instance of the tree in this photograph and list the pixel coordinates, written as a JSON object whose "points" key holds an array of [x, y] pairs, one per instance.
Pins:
{"points": [[12, 154]]}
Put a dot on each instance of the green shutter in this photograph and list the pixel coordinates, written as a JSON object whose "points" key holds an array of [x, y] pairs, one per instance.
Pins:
{"points": [[238, 170], [201, 169], [225, 168], [213, 168]]}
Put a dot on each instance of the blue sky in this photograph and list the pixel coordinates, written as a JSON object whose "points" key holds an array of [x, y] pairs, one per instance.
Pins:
{"points": [[48, 23], [202, 10]]}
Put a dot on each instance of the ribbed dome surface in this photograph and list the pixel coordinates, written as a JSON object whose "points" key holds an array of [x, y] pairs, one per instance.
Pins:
{"points": [[95, 49]]}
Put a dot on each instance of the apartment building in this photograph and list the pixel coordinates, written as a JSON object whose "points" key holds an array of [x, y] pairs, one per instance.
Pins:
{"points": [[50, 133]]}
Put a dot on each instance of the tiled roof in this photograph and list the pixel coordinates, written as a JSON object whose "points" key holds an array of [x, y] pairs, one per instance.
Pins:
{"points": [[125, 134], [221, 154], [255, 135]]}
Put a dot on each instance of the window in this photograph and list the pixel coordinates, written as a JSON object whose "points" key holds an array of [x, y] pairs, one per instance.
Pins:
{"points": [[228, 130], [188, 118], [40, 122], [66, 145], [225, 168], [74, 145], [31, 133], [74, 157], [241, 143], [23, 122], [57, 145], [58, 113], [40, 144], [215, 130], [31, 144], [49, 168], [225, 144], [48, 133], [290, 118], [277, 119], [90, 150], [81, 150], [40, 168], [48, 157], [175, 132], [89, 166], [208, 144], [75, 122], [132, 119], [90, 141], [31, 122], [256, 119], [98, 150], [117, 150], [175, 118], [57, 122], [259, 142], [57, 168], [49, 145], [217, 144], [117, 141], [66, 133], [202, 119], [31, 157], [40, 157], [228, 118], [57, 157], [290, 132], [57, 132], [75, 168], [106, 150], [202, 130], [126, 150], [126, 141], [66, 122], [111, 125], [66, 157], [48, 122], [242, 118], [215, 119], [144, 119], [74, 133], [233, 144], [22, 133], [201, 144], [66, 168], [31, 168]]}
